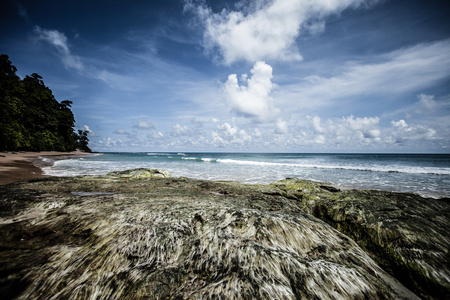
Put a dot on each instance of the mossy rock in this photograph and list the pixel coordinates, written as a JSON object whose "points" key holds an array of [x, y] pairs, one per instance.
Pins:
{"points": [[140, 173], [135, 237], [405, 233]]}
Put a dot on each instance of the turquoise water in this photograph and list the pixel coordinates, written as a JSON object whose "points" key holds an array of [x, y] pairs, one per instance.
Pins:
{"points": [[426, 174]]}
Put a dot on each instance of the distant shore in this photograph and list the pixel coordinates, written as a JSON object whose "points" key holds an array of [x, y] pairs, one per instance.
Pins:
{"points": [[18, 166]]}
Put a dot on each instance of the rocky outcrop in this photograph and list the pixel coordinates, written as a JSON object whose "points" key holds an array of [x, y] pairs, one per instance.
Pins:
{"points": [[407, 235], [144, 234]]}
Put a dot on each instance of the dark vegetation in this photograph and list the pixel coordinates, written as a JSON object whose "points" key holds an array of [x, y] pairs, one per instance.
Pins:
{"points": [[31, 118]]}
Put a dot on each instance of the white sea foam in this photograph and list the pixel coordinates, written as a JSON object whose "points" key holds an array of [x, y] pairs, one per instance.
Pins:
{"points": [[389, 169], [428, 176], [209, 160], [204, 159], [192, 158]]}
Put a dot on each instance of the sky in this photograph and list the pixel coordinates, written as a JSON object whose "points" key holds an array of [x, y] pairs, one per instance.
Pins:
{"points": [[242, 76]]}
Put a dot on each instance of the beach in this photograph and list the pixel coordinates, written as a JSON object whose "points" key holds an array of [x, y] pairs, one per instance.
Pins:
{"points": [[149, 232], [18, 166]]}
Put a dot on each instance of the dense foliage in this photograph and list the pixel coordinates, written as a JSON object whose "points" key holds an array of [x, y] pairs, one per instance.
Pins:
{"points": [[30, 116]]}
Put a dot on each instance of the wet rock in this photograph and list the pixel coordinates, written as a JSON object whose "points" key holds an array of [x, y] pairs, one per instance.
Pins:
{"points": [[404, 233], [133, 237], [140, 173]]}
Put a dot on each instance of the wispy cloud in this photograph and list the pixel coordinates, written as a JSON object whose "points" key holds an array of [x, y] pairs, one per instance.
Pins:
{"points": [[59, 41], [404, 70], [264, 30]]}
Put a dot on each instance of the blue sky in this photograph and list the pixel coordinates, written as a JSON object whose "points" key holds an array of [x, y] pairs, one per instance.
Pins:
{"points": [[245, 76]]}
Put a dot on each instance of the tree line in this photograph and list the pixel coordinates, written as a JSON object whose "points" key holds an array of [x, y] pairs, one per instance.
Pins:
{"points": [[31, 118]]}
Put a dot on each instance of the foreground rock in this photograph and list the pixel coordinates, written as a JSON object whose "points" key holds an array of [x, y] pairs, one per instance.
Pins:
{"points": [[143, 234], [404, 233]]}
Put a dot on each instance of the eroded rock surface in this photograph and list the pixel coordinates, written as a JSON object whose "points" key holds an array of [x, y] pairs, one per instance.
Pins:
{"points": [[130, 236], [404, 233]]}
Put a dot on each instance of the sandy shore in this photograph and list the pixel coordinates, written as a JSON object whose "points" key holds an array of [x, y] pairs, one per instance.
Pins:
{"points": [[18, 166]]}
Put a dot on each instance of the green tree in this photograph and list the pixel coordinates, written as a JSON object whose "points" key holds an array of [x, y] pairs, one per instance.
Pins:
{"points": [[83, 140], [12, 132], [30, 116]]}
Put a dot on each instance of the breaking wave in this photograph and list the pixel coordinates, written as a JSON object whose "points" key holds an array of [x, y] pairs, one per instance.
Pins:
{"points": [[388, 169]]}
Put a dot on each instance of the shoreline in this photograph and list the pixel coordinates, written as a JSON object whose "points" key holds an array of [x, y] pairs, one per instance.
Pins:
{"points": [[19, 166], [24, 166]]}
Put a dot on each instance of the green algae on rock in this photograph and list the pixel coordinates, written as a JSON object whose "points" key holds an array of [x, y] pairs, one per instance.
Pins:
{"points": [[136, 237], [404, 233]]}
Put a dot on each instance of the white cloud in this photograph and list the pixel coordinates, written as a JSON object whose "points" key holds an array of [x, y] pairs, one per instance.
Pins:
{"points": [[253, 99], [231, 134], [228, 129], [404, 132], [346, 132], [265, 29], [86, 128], [281, 127], [427, 104], [120, 131], [316, 124], [144, 125], [153, 134], [217, 140], [129, 135], [405, 70], [319, 139], [362, 123], [179, 130], [108, 143], [59, 41]]}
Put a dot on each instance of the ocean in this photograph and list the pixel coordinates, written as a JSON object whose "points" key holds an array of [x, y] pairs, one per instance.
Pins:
{"points": [[425, 174]]}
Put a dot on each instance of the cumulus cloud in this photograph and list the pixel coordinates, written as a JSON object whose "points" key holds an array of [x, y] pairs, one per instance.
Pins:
{"points": [[228, 129], [252, 98], [180, 130], [315, 121], [343, 132], [86, 128], [365, 133], [404, 132], [229, 135], [59, 41], [348, 133], [263, 29]]}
